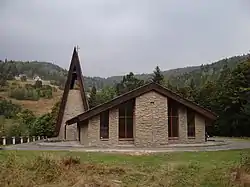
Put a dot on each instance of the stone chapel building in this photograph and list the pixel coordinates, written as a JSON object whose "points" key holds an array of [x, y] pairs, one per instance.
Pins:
{"points": [[149, 116]]}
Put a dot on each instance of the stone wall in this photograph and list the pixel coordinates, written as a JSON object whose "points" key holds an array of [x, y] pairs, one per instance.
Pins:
{"points": [[182, 124], [94, 130], [150, 127], [84, 133], [73, 107], [199, 128]]}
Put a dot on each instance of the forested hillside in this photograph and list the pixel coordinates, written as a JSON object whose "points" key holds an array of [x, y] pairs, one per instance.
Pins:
{"points": [[223, 87], [178, 77], [226, 93]]}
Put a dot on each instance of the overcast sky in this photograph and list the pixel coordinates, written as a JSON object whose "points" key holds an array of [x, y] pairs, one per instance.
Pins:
{"points": [[119, 36]]}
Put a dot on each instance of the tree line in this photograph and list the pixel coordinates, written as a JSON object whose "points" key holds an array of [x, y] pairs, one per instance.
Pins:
{"points": [[179, 77], [228, 96], [23, 122]]}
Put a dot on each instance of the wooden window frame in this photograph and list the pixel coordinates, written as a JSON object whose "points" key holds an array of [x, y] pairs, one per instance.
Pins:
{"points": [[173, 105], [125, 117], [104, 125], [191, 126]]}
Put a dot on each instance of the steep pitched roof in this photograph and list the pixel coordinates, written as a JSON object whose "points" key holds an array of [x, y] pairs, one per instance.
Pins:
{"points": [[75, 69], [137, 92]]}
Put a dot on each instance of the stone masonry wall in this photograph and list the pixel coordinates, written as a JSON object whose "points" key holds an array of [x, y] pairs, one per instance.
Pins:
{"points": [[73, 107], [199, 128], [94, 130], [151, 123], [84, 133], [182, 124]]}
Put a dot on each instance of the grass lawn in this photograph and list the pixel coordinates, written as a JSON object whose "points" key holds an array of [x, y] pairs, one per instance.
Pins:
{"points": [[59, 168]]}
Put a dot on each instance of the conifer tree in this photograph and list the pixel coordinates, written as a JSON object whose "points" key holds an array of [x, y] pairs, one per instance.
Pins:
{"points": [[157, 76], [92, 98]]}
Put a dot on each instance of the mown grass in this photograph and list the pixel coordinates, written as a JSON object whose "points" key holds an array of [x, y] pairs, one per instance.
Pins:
{"points": [[60, 168]]}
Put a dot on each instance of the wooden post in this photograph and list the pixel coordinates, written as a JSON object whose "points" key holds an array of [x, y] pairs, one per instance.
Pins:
{"points": [[4, 140], [21, 139], [34, 138], [13, 140], [28, 139]]}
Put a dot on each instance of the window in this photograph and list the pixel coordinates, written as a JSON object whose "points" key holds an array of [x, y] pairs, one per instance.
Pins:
{"points": [[191, 123], [173, 119], [104, 125], [126, 112]]}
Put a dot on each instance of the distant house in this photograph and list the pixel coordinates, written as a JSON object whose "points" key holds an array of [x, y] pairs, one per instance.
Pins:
{"points": [[149, 116], [21, 76], [37, 78]]}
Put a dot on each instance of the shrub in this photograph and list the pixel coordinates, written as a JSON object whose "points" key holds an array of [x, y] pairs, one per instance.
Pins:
{"points": [[14, 83], [24, 94], [10, 77], [43, 126], [38, 84], [15, 130], [46, 167], [8, 109], [45, 92], [26, 119], [28, 86], [245, 162], [70, 160], [23, 78], [3, 82]]}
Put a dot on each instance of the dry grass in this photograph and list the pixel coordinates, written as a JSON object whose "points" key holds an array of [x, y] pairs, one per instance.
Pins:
{"points": [[51, 169]]}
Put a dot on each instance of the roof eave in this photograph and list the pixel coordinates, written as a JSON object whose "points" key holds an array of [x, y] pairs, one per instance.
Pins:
{"points": [[72, 121]]}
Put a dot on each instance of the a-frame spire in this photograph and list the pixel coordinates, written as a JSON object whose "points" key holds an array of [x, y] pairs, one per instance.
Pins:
{"points": [[74, 74]]}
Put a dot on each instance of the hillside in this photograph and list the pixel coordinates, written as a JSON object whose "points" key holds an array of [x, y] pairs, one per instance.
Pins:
{"points": [[223, 87], [179, 77]]}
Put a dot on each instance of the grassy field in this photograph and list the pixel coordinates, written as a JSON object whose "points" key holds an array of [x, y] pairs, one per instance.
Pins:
{"points": [[37, 168]]}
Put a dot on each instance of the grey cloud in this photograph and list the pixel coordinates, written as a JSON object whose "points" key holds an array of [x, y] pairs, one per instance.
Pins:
{"points": [[118, 36]]}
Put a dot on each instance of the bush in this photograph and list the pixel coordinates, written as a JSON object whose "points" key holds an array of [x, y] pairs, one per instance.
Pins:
{"points": [[23, 78], [46, 92], [43, 126], [24, 94], [26, 119], [8, 109], [3, 82], [10, 77], [14, 84], [29, 86], [38, 84], [15, 130]]}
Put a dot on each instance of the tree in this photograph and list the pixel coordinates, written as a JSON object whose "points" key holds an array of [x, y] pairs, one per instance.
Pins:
{"points": [[38, 84], [43, 126], [23, 78], [233, 102], [105, 94], [157, 76], [92, 98], [128, 83], [26, 118]]}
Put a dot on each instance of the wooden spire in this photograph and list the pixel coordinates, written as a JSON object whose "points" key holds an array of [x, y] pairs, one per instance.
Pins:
{"points": [[74, 74]]}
